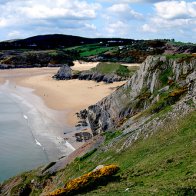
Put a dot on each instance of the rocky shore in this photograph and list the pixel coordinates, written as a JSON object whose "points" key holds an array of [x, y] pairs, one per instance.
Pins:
{"points": [[65, 73]]}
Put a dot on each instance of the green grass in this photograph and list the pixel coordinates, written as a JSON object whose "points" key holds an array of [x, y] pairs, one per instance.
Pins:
{"points": [[106, 68], [91, 49], [178, 56], [109, 135], [163, 164], [96, 51], [116, 68], [165, 75]]}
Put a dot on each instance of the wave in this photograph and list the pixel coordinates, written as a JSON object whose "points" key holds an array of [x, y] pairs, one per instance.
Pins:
{"points": [[25, 117], [38, 143], [69, 145]]}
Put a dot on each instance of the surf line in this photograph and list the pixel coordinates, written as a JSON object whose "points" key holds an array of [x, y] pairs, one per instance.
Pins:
{"points": [[36, 141]]}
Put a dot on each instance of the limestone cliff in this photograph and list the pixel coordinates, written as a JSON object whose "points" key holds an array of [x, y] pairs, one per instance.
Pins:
{"points": [[154, 83]]}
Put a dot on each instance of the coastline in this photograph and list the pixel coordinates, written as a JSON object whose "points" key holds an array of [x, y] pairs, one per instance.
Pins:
{"points": [[64, 98], [45, 124], [70, 95], [50, 106]]}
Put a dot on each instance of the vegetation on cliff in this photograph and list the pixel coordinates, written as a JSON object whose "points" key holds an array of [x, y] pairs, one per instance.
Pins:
{"points": [[87, 181]]}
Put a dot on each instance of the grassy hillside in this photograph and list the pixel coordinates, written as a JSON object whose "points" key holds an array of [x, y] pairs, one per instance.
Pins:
{"points": [[162, 164], [115, 68]]}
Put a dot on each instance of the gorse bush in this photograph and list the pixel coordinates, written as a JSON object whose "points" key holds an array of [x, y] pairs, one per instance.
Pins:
{"points": [[85, 181]]}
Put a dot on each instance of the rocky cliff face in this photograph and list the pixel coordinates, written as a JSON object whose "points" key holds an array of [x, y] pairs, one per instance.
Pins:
{"points": [[160, 82]]}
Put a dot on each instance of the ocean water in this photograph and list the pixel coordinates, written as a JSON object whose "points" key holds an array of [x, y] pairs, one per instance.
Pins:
{"points": [[28, 137], [18, 148]]}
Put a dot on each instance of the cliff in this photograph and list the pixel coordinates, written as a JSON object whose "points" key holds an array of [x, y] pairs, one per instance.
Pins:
{"points": [[153, 85]]}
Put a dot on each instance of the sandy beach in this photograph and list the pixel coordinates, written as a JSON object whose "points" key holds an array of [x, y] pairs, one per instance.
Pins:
{"points": [[56, 102], [70, 96]]}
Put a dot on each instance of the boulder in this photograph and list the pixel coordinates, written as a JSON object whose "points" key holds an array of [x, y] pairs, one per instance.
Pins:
{"points": [[64, 73]]}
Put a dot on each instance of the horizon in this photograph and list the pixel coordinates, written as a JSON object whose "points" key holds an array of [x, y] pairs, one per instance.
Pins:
{"points": [[94, 38], [128, 19]]}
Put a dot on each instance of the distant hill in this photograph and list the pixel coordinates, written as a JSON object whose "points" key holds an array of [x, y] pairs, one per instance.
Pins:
{"points": [[57, 49], [57, 41]]}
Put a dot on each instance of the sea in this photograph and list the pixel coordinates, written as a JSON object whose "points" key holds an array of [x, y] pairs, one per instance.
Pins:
{"points": [[28, 138]]}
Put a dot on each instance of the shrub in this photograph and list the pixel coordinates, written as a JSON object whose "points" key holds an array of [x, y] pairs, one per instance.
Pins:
{"points": [[85, 181]]}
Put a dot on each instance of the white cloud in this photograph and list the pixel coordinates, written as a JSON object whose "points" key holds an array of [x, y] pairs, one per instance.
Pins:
{"points": [[124, 11], [91, 26], [14, 34], [170, 16], [46, 10], [132, 1], [3, 22], [148, 28], [32, 17], [176, 9], [60, 8], [117, 28]]}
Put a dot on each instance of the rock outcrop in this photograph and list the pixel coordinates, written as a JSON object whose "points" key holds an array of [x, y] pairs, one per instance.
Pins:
{"points": [[98, 77], [159, 82], [64, 73]]}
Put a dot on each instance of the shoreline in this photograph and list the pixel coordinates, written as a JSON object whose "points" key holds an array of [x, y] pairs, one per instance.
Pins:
{"points": [[66, 97], [45, 124], [70, 95]]}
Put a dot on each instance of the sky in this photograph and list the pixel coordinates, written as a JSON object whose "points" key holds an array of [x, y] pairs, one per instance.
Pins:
{"points": [[135, 19]]}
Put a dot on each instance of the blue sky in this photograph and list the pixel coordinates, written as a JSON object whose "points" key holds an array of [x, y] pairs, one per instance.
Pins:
{"points": [[137, 19]]}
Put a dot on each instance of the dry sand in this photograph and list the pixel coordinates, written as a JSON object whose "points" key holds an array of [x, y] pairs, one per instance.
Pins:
{"points": [[81, 65], [2, 80], [132, 64], [70, 96]]}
